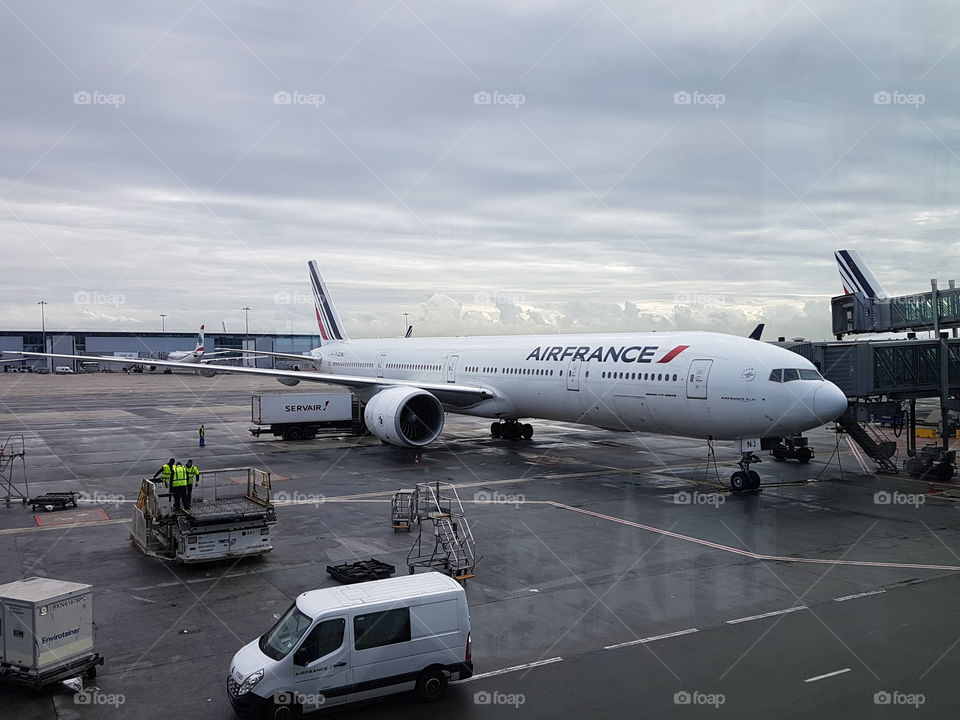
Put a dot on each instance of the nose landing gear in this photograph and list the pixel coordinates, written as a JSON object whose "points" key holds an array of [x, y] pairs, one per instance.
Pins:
{"points": [[745, 479]]}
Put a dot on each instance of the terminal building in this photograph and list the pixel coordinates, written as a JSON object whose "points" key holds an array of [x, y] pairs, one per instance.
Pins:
{"points": [[146, 345]]}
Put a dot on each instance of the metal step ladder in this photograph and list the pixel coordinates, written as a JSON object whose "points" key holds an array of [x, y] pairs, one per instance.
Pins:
{"points": [[453, 549], [403, 510], [873, 442], [12, 451]]}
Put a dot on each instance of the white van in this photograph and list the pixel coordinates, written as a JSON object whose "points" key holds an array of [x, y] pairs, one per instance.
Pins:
{"points": [[343, 644], [63, 370]]}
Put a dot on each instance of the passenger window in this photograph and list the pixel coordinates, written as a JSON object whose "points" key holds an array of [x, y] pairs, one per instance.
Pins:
{"points": [[776, 375], [382, 628], [322, 640], [791, 374]]}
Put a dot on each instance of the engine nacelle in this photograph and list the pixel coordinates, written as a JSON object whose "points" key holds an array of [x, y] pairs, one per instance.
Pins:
{"points": [[405, 417], [204, 372], [289, 382]]}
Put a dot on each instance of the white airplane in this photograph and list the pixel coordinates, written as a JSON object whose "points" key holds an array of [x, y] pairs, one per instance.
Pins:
{"points": [[692, 384], [189, 356]]}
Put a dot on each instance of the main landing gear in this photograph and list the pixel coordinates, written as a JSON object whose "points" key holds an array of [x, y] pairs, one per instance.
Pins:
{"points": [[511, 430], [745, 479]]}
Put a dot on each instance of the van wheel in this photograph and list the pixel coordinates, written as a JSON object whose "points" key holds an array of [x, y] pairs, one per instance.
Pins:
{"points": [[431, 685], [285, 711]]}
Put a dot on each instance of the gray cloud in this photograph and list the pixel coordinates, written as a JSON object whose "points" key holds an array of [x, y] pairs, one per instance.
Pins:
{"points": [[589, 195]]}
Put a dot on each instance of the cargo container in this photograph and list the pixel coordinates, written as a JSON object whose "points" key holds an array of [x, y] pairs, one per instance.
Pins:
{"points": [[47, 631]]}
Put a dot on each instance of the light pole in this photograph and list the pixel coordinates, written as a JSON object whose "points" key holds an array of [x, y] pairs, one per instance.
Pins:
{"points": [[43, 329], [163, 322], [405, 323], [246, 332]]}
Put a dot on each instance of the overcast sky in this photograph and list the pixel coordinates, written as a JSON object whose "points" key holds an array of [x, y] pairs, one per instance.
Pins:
{"points": [[485, 167]]}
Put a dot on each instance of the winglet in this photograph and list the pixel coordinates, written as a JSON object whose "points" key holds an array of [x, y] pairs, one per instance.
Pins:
{"points": [[409, 331], [856, 276], [328, 319], [757, 332]]}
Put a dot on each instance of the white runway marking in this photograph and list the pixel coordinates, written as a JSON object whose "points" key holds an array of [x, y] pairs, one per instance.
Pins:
{"points": [[766, 615], [515, 668], [826, 675], [651, 639], [858, 595]]}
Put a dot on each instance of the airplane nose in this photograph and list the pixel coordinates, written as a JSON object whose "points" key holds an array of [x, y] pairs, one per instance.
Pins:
{"points": [[829, 402]]}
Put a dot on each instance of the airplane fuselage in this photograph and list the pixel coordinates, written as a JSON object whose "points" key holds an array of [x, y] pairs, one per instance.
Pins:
{"points": [[694, 384]]}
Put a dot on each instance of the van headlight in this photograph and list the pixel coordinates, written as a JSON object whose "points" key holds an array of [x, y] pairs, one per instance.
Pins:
{"points": [[252, 679]]}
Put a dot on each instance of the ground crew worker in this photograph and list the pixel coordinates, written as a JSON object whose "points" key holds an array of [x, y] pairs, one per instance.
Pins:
{"points": [[193, 478], [180, 487], [203, 435], [166, 472]]}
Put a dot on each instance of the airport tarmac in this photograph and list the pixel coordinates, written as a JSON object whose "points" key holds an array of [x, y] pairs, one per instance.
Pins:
{"points": [[612, 583]]}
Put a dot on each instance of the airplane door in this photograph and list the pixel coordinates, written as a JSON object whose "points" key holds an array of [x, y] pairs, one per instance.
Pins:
{"points": [[697, 379], [573, 375], [381, 361], [451, 366]]}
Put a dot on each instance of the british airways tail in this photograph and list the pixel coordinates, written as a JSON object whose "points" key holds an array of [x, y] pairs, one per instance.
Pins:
{"points": [[856, 276], [328, 319]]}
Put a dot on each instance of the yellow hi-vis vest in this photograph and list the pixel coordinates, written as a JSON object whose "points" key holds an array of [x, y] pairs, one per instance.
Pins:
{"points": [[192, 472], [166, 472], [179, 476]]}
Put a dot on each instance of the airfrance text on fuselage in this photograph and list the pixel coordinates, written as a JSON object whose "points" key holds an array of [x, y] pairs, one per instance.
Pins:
{"points": [[631, 354]]}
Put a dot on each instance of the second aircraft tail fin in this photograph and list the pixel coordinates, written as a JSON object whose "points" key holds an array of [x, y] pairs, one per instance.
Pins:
{"points": [[199, 347], [857, 277]]}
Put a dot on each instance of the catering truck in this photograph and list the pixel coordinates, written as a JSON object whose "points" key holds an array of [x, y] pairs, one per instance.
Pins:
{"points": [[46, 633], [344, 644], [300, 416]]}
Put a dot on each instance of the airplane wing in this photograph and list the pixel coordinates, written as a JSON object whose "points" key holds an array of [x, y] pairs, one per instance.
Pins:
{"points": [[446, 393], [265, 353]]}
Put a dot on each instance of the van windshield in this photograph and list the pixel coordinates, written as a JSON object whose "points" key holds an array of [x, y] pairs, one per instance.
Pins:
{"points": [[285, 634]]}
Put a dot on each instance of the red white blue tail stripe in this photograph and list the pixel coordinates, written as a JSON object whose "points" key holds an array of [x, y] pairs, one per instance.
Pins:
{"points": [[328, 320]]}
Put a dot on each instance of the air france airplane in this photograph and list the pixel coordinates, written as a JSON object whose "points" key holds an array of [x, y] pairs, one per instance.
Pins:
{"points": [[692, 384]]}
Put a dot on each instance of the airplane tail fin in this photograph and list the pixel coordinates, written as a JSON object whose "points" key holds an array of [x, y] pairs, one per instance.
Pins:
{"points": [[857, 277], [199, 347], [328, 319], [757, 332], [409, 331]]}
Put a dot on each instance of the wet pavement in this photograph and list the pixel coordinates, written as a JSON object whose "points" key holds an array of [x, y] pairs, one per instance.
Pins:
{"points": [[615, 578]]}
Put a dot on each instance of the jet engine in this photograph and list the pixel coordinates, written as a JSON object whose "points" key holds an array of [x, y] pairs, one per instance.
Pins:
{"points": [[405, 417], [205, 372], [290, 382]]}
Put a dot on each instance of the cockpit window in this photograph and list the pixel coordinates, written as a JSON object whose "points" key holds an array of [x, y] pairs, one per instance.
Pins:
{"points": [[788, 374]]}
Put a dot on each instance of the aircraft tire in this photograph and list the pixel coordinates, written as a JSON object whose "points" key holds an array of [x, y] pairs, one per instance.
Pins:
{"points": [[526, 431], [739, 481], [754, 483], [495, 429]]}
